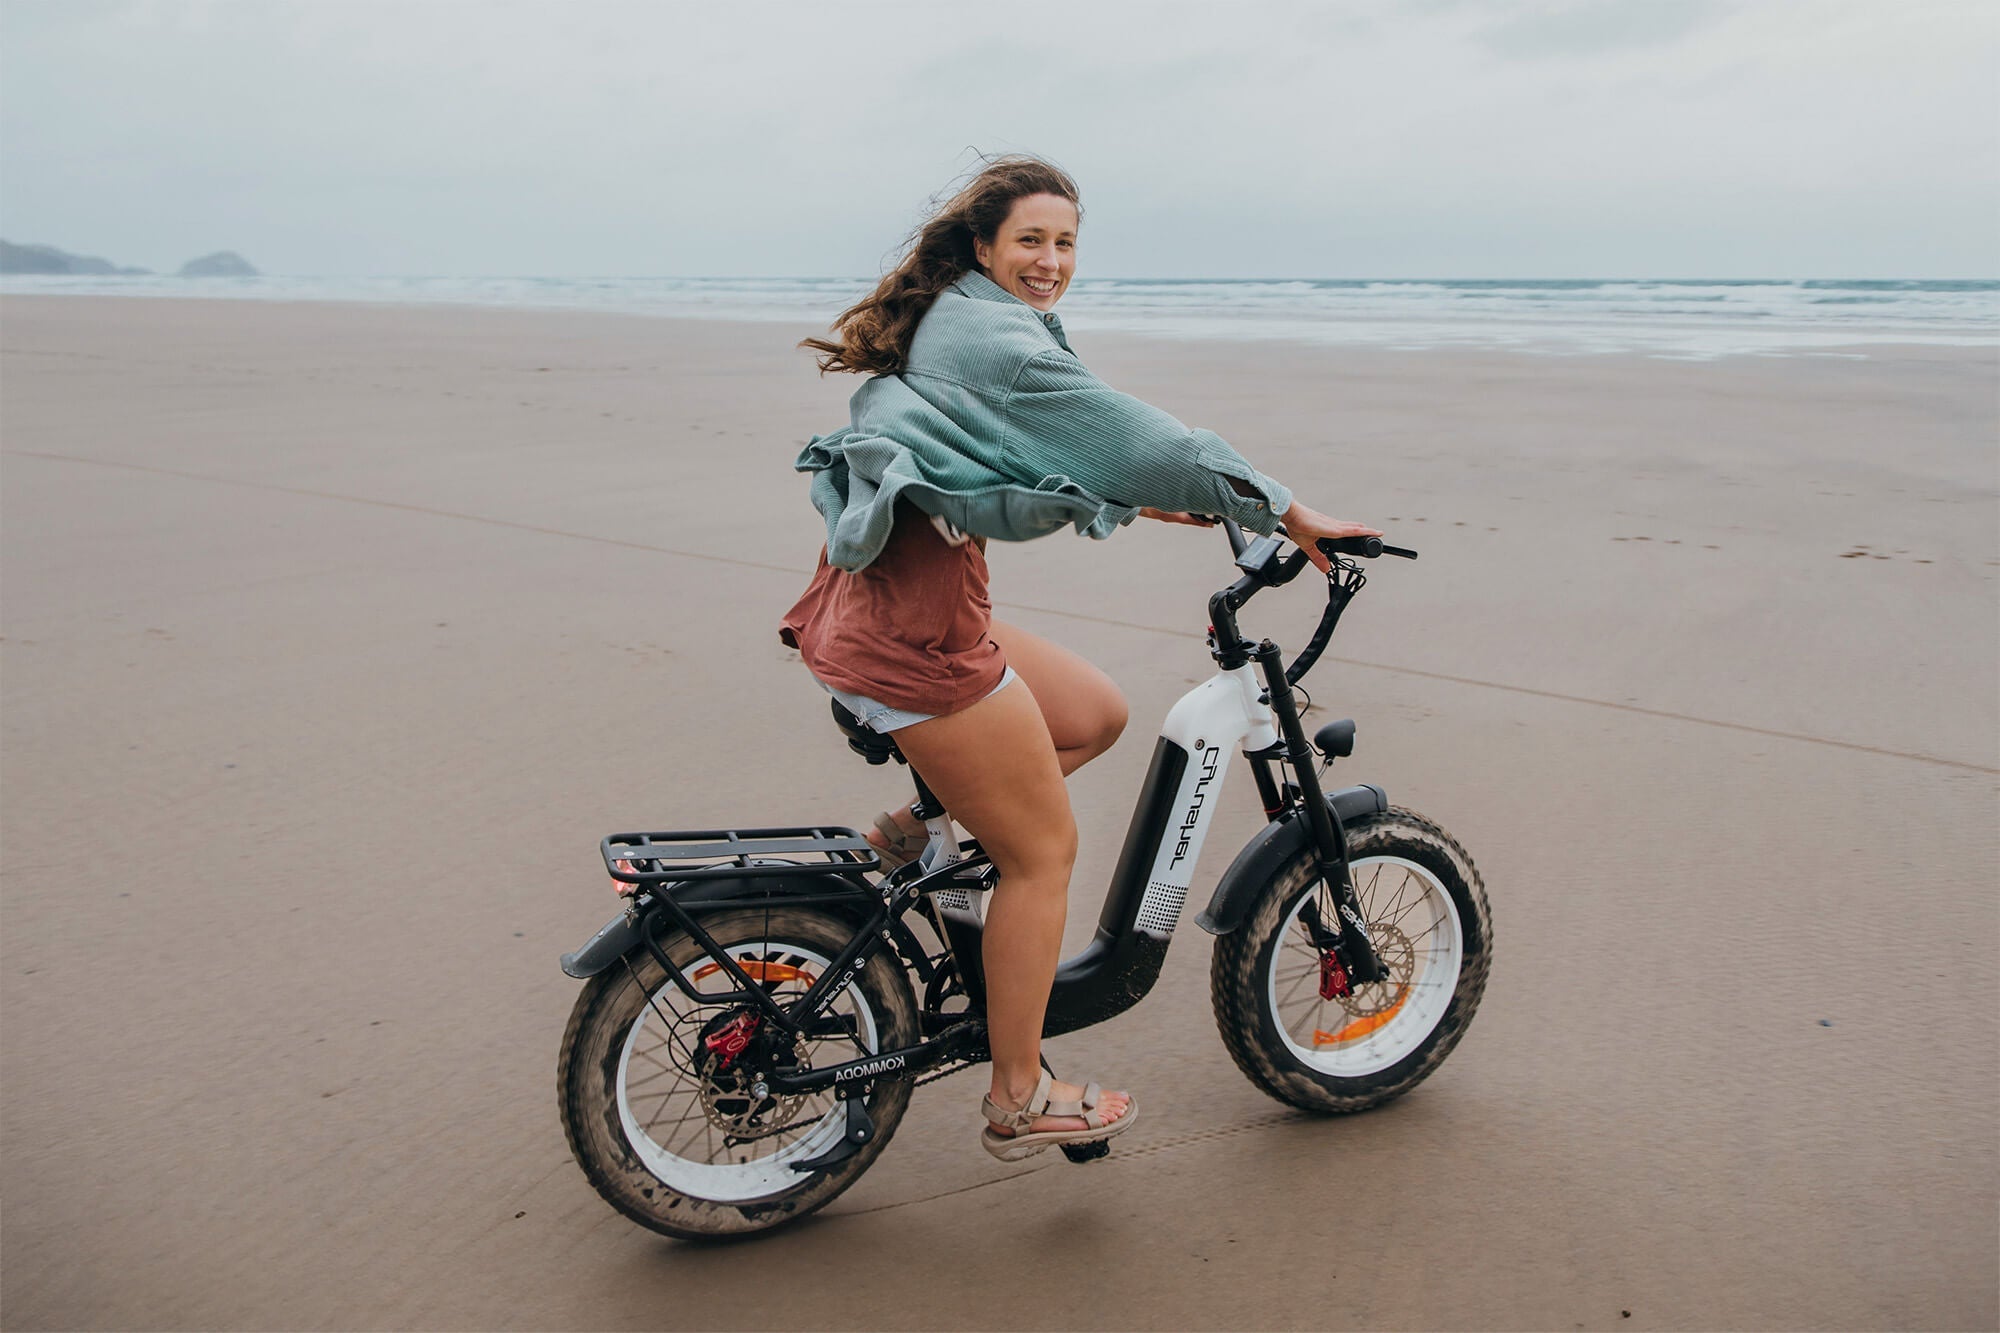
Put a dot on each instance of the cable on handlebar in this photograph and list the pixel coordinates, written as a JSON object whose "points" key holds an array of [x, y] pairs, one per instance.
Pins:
{"points": [[1262, 569], [1237, 541], [1342, 582]]}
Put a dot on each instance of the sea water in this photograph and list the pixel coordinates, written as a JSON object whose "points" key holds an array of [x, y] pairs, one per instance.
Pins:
{"points": [[1658, 317]]}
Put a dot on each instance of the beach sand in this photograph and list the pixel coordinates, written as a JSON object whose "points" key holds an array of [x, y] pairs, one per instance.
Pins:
{"points": [[335, 636]]}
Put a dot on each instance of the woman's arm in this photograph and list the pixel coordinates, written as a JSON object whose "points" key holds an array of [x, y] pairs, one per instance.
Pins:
{"points": [[1061, 420]]}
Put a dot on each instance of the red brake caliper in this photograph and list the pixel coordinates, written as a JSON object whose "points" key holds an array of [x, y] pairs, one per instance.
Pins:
{"points": [[729, 1040], [1333, 982]]}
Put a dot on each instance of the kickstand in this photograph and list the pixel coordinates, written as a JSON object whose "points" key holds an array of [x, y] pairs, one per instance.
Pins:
{"points": [[860, 1132]]}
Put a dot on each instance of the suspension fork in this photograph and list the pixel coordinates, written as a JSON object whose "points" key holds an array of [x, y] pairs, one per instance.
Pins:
{"points": [[1351, 942]]}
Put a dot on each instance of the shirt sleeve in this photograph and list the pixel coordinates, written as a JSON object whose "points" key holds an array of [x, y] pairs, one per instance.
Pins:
{"points": [[1064, 422]]}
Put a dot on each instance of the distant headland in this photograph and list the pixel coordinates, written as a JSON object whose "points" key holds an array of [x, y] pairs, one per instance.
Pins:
{"points": [[46, 259]]}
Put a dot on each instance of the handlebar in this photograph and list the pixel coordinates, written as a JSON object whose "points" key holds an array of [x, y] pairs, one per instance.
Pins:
{"points": [[1262, 569], [1365, 547]]}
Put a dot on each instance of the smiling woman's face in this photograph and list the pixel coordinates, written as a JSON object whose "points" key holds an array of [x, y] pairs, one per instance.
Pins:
{"points": [[1034, 253]]}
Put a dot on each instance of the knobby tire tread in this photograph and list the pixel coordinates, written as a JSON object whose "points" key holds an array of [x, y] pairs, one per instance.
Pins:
{"points": [[1236, 983], [661, 1208]]}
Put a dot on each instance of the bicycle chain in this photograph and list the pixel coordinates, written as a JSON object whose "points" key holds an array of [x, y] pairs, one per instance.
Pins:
{"points": [[946, 1072]]}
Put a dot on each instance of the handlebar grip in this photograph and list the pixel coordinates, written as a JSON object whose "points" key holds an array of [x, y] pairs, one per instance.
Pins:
{"points": [[1366, 547]]}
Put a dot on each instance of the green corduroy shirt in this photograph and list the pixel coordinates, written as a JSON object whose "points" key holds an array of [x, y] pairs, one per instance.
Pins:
{"points": [[996, 427]]}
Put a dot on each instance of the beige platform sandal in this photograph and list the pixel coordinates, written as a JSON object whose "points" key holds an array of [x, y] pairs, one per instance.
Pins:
{"points": [[1012, 1148], [904, 846]]}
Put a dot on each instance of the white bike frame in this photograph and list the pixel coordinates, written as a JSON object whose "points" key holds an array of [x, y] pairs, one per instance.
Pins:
{"points": [[1224, 713]]}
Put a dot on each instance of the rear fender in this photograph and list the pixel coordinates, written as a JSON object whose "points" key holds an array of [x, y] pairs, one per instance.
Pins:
{"points": [[848, 898], [1254, 866]]}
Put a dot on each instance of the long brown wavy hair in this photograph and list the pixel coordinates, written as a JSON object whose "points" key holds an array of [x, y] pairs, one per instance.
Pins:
{"points": [[873, 336]]}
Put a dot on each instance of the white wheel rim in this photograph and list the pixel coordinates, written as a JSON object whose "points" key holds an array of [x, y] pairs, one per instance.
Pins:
{"points": [[1417, 929], [649, 1115]]}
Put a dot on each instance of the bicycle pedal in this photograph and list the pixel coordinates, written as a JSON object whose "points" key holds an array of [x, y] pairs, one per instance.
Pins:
{"points": [[1086, 1152]]}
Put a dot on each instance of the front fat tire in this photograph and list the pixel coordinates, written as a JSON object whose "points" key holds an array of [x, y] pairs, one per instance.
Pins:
{"points": [[594, 1042], [1240, 973]]}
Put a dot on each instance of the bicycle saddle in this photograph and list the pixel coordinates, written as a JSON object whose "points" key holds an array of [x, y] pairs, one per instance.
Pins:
{"points": [[870, 745]]}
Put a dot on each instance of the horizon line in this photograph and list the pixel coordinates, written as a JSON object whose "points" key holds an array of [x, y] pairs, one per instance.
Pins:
{"points": [[829, 277]]}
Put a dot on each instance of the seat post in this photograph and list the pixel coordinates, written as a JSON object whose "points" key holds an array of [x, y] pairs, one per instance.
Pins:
{"points": [[927, 806]]}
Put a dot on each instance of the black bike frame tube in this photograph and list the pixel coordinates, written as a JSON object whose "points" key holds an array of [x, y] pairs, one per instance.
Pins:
{"points": [[1269, 790], [967, 945], [852, 959], [746, 992], [1150, 817], [1327, 834], [1121, 963], [867, 939], [958, 1042], [962, 940]]}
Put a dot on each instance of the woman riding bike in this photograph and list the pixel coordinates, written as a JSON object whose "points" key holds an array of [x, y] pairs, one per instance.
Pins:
{"points": [[979, 422]]}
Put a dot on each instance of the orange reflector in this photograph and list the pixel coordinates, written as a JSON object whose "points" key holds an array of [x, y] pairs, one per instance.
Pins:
{"points": [[1360, 1027], [759, 971]]}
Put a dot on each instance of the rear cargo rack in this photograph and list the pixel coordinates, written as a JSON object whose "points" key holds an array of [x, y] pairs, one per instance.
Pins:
{"points": [[698, 854]]}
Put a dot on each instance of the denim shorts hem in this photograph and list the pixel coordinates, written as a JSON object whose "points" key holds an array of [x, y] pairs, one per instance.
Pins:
{"points": [[880, 717]]}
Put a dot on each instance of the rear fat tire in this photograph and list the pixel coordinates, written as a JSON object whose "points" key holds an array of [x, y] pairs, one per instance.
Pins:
{"points": [[594, 1044], [1240, 980]]}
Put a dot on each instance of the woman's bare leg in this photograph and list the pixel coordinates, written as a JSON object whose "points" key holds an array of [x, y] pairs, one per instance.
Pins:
{"points": [[996, 769], [1082, 707]]}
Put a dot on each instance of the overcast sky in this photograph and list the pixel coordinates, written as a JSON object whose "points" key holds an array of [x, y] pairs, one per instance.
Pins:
{"points": [[1232, 138]]}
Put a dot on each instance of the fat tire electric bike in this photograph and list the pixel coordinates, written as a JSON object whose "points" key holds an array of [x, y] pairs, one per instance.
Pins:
{"points": [[752, 1024]]}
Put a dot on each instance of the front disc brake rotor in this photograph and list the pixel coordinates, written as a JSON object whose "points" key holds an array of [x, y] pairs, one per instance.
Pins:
{"points": [[1398, 957]]}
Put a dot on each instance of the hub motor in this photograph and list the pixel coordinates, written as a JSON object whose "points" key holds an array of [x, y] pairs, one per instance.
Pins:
{"points": [[734, 1055]]}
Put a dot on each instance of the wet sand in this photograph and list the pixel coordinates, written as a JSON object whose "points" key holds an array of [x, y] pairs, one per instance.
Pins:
{"points": [[334, 636]]}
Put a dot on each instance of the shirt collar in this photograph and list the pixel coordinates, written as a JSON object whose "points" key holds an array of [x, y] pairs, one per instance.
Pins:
{"points": [[977, 285]]}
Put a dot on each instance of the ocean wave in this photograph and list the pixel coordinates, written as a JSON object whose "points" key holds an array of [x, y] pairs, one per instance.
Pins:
{"points": [[1651, 315]]}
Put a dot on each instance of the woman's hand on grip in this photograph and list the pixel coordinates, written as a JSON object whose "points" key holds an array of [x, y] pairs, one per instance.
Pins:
{"points": [[1306, 526]]}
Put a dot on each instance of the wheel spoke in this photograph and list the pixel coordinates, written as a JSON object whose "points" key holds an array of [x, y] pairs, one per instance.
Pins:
{"points": [[1428, 931], [656, 1061], [661, 1097], [656, 1074], [660, 1116], [1412, 906], [675, 1146], [1401, 888], [1293, 991]]}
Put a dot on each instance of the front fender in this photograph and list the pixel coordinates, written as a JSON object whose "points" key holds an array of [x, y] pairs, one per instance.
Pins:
{"points": [[626, 931], [1254, 866]]}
